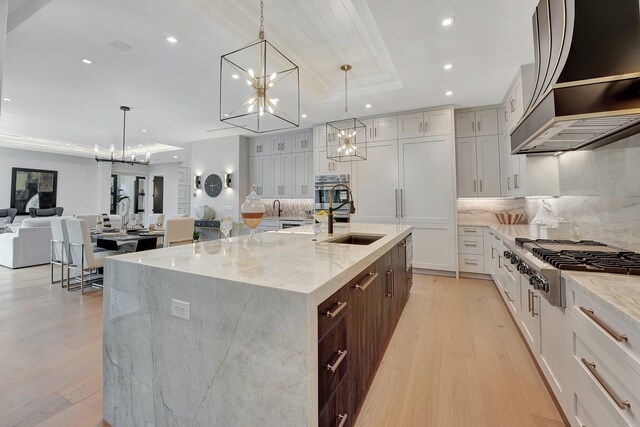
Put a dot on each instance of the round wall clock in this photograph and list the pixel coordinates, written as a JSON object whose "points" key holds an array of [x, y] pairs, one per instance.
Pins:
{"points": [[213, 185]]}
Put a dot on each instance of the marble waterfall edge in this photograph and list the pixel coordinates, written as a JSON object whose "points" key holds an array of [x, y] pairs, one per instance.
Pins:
{"points": [[242, 360]]}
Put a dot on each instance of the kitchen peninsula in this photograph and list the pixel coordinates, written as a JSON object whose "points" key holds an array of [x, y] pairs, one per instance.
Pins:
{"points": [[285, 333]]}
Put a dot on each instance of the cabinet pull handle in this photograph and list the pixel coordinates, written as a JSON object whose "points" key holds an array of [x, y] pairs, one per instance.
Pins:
{"points": [[533, 304], [481, 186], [470, 230], [591, 366], [505, 116], [339, 307], [479, 127], [375, 132], [466, 261], [473, 127], [591, 314], [342, 418], [513, 103], [474, 186], [508, 183], [420, 128], [516, 181], [402, 203], [341, 355], [508, 297], [469, 245], [365, 283], [396, 203], [426, 127], [493, 252], [529, 299], [389, 291]]}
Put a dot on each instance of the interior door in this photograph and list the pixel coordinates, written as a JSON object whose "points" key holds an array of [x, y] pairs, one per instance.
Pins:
{"points": [[376, 184], [113, 202], [158, 194], [138, 203], [426, 181]]}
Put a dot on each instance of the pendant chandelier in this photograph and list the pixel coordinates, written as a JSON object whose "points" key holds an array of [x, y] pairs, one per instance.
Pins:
{"points": [[259, 87], [111, 158], [346, 137]]}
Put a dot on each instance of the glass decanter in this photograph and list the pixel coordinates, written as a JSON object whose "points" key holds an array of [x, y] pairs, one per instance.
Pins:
{"points": [[252, 212], [225, 227]]}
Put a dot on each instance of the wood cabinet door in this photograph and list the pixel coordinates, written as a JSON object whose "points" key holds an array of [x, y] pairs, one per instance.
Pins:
{"points": [[487, 122], [466, 167], [488, 159], [375, 183], [426, 177], [437, 122], [385, 128], [465, 124], [410, 125]]}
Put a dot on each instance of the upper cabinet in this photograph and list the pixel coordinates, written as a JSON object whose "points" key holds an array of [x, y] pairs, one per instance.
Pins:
{"points": [[428, 123], [477, 123], [381, 128], [519, 93], [260, 146]]}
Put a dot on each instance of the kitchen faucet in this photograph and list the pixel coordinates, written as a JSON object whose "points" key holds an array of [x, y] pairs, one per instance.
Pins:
{"points": [[352, 209], [274, 206]]}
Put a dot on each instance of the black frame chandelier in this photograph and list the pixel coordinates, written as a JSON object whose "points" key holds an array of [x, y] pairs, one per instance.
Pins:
{"points": [[346, 137], [259, 87], [111, 158]]}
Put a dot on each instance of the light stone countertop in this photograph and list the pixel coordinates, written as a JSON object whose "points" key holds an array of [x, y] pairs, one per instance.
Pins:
{"points": [[618, 291], [287, 259]]}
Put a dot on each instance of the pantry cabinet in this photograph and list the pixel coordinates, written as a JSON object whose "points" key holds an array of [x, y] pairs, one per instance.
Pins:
{"points": [[302, 184], [260, 175], [478, 166]]}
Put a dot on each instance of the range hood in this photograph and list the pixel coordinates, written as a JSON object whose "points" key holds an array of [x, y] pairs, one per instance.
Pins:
{"points": [[587, 85]]}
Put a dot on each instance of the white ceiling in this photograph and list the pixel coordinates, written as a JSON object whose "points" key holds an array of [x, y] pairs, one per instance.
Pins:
{"points": [[398, 49]]}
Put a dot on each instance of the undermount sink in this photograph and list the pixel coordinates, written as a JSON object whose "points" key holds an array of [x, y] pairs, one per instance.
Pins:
{"points": [[356, 239]]}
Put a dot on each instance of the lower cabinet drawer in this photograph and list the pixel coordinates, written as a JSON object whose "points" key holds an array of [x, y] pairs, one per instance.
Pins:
{"points": [[470, 230], [331, 310], [332, 361], [471, 245], [606, 377], [582, 410], [336, 413], [471, 263]]}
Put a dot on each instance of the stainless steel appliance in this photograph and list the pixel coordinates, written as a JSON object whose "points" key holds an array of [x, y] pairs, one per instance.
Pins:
{"points": [[587, 85], [324, 183], [543, 260]]}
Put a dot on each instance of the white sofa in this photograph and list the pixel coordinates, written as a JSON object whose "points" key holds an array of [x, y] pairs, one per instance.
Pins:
{"points": [[29, 244]]}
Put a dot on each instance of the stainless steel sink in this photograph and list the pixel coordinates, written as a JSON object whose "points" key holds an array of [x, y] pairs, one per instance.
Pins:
{"points": [[356, 239]]}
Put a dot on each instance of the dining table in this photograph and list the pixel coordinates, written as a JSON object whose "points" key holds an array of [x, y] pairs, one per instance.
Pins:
{"points": [[133, 241]]}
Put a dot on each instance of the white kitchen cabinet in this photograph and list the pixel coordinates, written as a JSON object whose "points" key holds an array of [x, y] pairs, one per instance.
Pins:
{"points": [[427, 123], [311, 175], [260, 175], [265, 145], [427, 194], [302, 142], [471, 249], [519, 93], [553, 346], [302, 185], [529, 314], [385, 128], [281, 176], [434, 247], [326, 166], [281, 144], [478, 166], [375, 184], [476, 123]]}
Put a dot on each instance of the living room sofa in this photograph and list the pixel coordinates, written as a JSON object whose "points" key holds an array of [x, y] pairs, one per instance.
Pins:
{"points": [[28, 244]]}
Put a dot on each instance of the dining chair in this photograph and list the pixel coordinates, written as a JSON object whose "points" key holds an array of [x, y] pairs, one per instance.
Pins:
{"points": [[9, 212], [59, 246], [82, 258], [178, 231]]}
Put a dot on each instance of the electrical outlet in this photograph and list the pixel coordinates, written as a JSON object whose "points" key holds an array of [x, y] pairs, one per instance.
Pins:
{"points": [[181, 309]]}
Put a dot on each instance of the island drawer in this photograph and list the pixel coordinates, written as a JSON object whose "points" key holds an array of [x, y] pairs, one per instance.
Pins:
{"points": [[331, 311], [336, 413], [332, 361]]}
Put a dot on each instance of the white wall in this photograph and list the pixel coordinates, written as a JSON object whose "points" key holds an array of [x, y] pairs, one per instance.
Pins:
{"points": [[78, 178], [220, 156]]}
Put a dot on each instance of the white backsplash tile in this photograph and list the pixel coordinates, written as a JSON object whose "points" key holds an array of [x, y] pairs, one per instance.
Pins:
{"points": [[290, 207]]}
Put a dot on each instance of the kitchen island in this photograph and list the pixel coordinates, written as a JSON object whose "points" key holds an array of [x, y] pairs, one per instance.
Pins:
{"points": [[252, 350]]}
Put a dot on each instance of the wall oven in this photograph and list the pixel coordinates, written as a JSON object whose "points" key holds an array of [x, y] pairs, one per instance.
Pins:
{"points": [[324, 183]]}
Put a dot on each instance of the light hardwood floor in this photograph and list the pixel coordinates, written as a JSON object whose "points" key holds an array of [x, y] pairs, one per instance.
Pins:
{"points": [[455, 359]]}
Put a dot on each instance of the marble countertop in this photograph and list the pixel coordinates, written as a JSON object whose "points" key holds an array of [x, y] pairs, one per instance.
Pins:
{"points": [[288, 259], [618, 291]]}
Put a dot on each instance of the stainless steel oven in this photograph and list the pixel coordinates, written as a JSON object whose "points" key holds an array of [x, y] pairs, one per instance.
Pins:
{"points": [[324, 183]]}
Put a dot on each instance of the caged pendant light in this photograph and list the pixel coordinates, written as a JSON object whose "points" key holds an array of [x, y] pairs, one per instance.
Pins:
{"points": [[346, 137], [259, 87]]}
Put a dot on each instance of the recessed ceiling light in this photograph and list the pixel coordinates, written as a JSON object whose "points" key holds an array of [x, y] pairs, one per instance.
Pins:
{"points": [[304, 116], [448, 66], [29, 138], [449, 93], [171, 39], [446, 22], [175, 157], [144, 130], [367, 106], [87, 61], [139, 145], [235, 76], [226, 115], [7, 99], [68, 144]]}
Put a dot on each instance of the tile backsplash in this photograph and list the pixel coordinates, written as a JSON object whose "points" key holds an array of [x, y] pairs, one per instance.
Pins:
{"points": [[290, 207]]}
